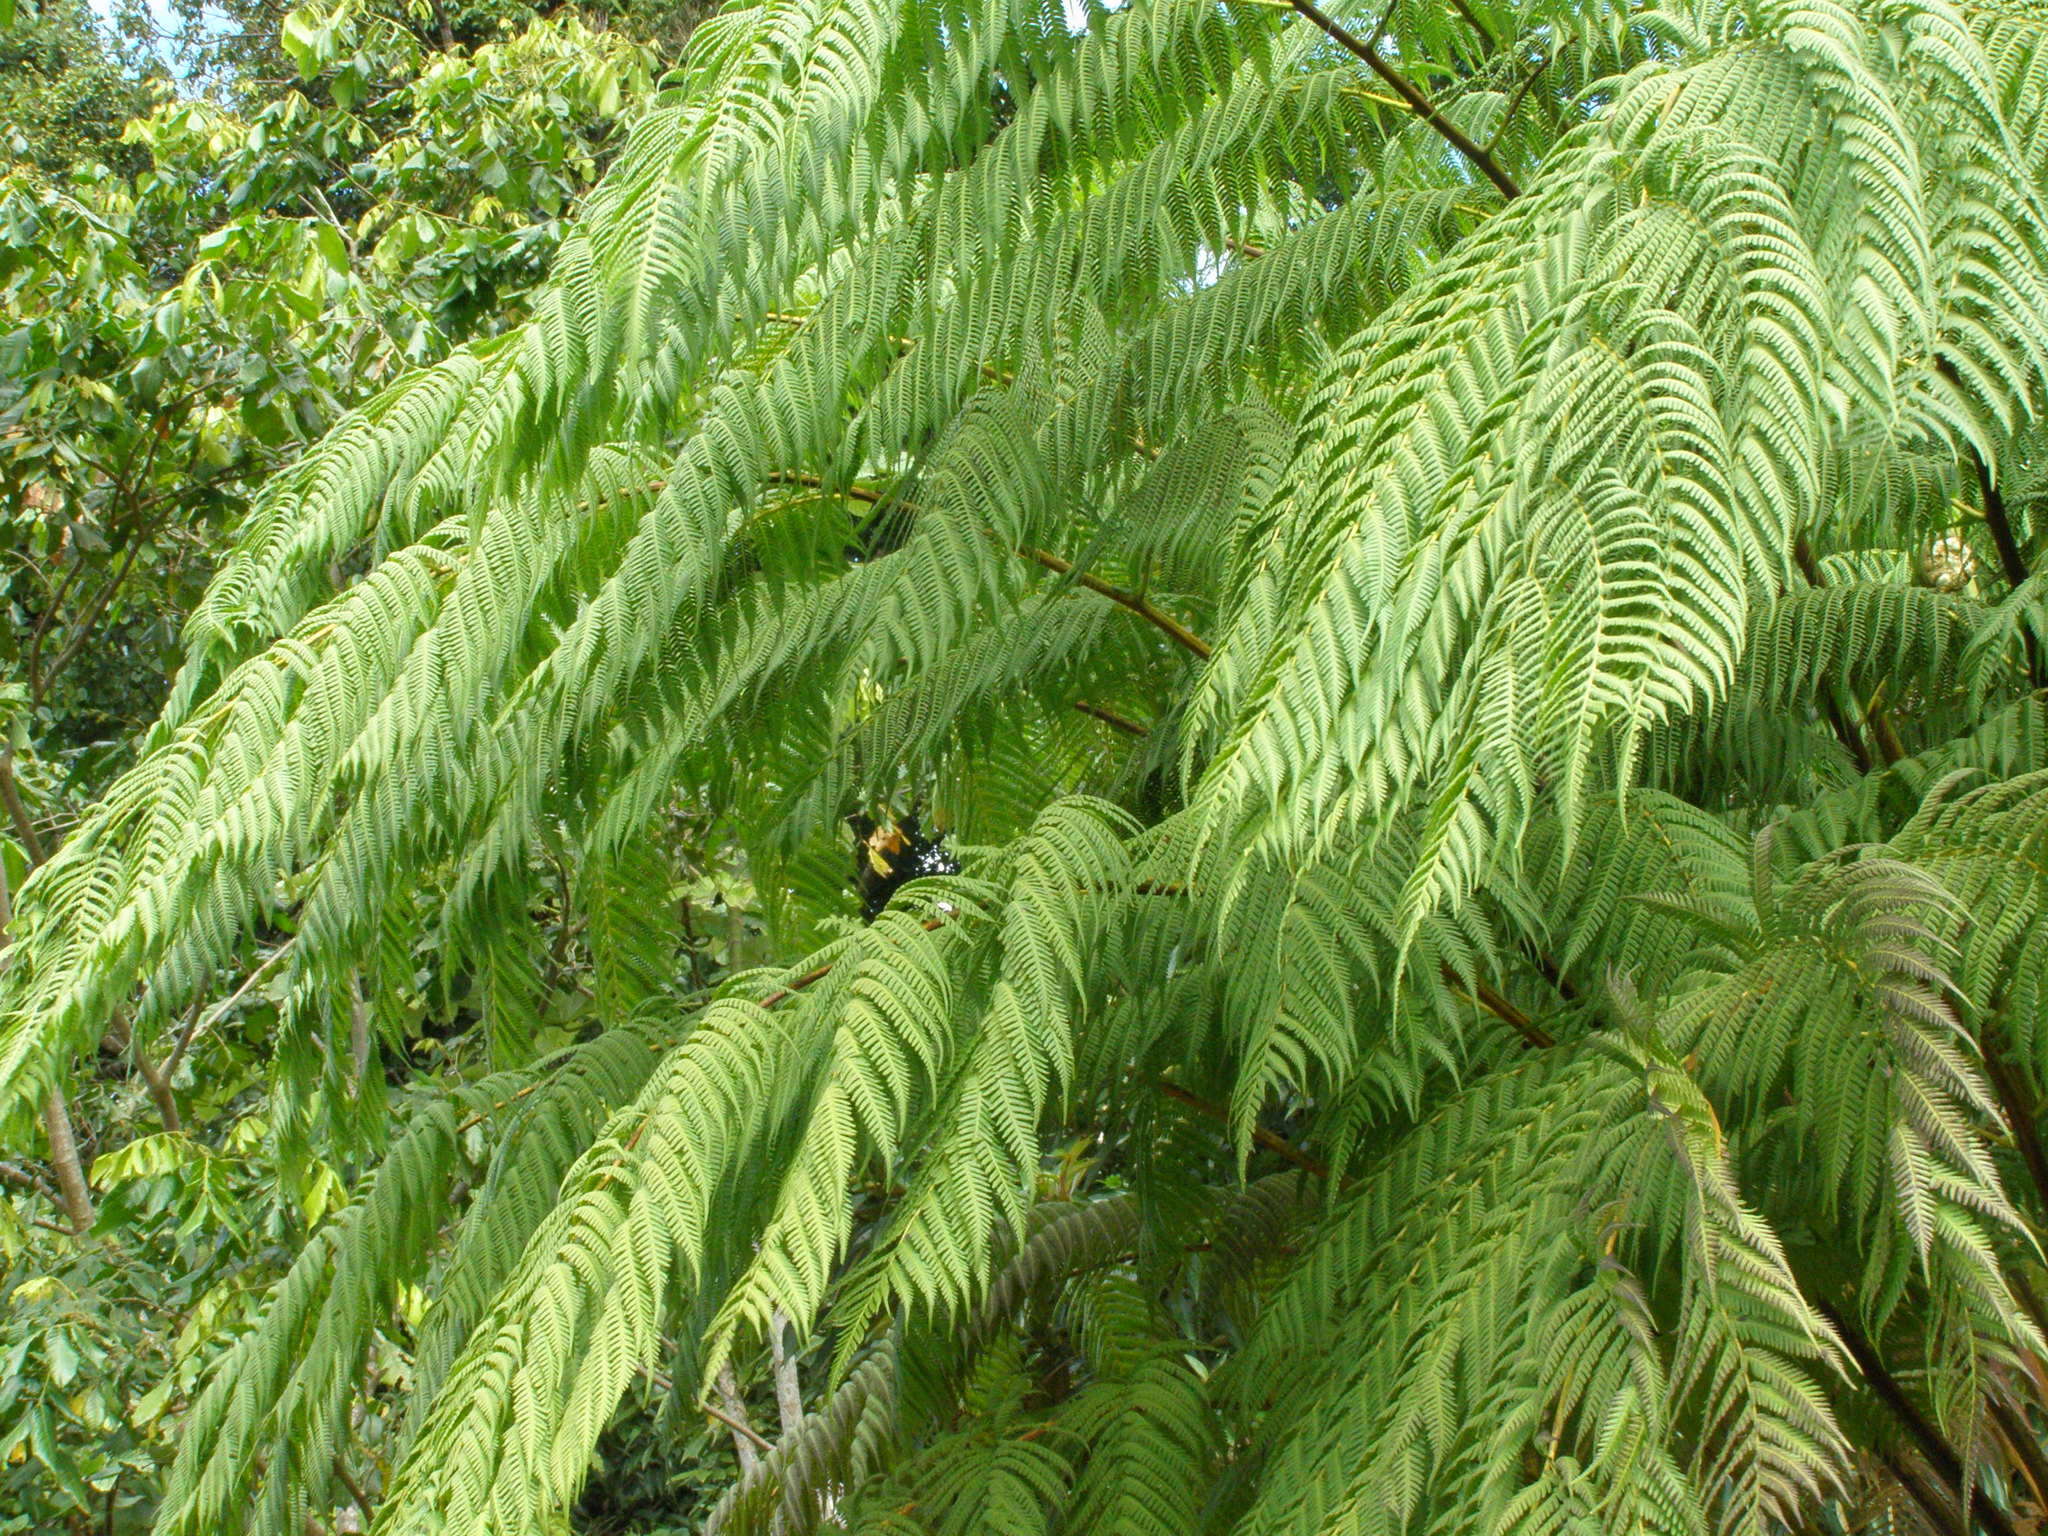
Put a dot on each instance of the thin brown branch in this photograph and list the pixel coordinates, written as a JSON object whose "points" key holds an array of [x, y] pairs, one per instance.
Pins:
{"points": [[744, 1438], [1270, 1140], [33, 662], [97, 605], [1514, 105], [1487, 44], [194, 1027], [1416, 102], [1534, 1035], [160, 1093], [29, 1179], [1178, 632], [737, 1426], [816, 483], [1112, 719]]}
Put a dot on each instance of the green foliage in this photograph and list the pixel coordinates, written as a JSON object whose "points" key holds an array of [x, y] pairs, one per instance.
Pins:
{"points": [[1462, 586]]}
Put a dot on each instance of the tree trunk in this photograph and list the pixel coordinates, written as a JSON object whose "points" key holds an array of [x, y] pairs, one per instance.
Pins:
{"points": [[789, 1397], [735, 1407], [65, 1164]]}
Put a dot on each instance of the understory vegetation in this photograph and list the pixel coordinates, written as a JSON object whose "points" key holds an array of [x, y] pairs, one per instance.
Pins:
{"points": [[955, 766]]}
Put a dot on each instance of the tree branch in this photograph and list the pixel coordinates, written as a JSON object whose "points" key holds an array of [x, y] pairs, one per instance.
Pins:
{"points": [[10, 795], [65, 1163], [1417, 103], [194, 1025], [737, 1426], [789, 1394], [1178, 632], [28, 1178], [746, 1444], [160, 1094], [1111, 718], [1534, 1035], [355, 1491], [93, 609], [1270, 1140]]}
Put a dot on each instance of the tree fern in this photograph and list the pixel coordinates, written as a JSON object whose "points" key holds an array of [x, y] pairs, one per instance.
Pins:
{"points": [[1491, 977]]}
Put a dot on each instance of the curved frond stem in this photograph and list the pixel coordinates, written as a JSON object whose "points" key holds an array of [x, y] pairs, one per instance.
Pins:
{"points": [[1943, 1457], [2011, 562], [2022, 1115], [2024, 1445], [1845, 732]]}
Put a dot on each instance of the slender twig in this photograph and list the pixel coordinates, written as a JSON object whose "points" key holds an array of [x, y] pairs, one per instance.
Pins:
{"points": [[1270, 1140], [1178, 632], [194, 1027], [1515, 101], [1534, 1035], [1111, 718], [817, 483], [28, 1178], [93, 609], [1416, 102], [737, 1426], [33, 663], [1487, 44]]}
